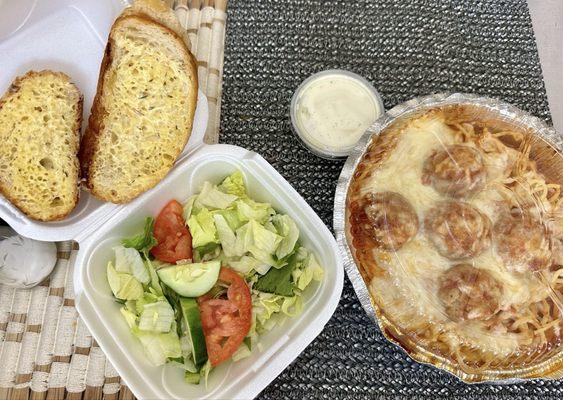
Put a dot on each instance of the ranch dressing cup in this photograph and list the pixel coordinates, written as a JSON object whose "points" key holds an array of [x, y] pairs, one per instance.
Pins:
{"points": [[331, 110]]}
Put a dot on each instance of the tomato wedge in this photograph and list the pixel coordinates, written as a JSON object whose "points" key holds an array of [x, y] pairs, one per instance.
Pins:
{"points": [[226, 322], [173, 237]]}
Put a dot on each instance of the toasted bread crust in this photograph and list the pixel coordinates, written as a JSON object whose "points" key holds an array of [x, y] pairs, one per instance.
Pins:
{"points": [[89, 143], [90, 147], [4, 190]]}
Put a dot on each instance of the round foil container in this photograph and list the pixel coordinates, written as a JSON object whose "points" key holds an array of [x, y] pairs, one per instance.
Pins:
{"points": [[501, 111]]}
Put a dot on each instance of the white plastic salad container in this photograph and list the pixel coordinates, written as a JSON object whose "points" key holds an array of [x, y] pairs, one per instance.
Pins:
{"points": [[69, 35]]}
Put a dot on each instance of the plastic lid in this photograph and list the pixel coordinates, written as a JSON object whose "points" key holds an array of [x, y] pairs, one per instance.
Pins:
{"points": [[331, 110], [454, 214]]}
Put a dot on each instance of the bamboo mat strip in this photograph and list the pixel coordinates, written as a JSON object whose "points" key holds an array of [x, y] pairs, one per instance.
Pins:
{"points": [[46, 351]]}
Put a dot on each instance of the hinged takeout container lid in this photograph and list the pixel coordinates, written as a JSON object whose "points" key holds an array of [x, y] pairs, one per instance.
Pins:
{"points": [[70, 36]]}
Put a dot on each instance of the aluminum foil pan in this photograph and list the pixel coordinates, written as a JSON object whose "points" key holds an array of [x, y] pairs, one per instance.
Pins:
{"points": [[502, 112]]}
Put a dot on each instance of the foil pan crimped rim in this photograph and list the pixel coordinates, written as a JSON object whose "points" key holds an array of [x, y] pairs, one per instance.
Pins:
{"points": [[505, 111]]}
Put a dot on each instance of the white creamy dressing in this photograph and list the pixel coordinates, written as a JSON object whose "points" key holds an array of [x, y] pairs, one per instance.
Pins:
{"points": [[333, 111]]}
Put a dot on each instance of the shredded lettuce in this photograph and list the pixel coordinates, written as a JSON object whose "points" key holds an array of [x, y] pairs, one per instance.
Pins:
{"points": [[145, 241], [292, 306], [213, 198], [202, 228], [128, 260], [227, 237], [154, 281], [156, 317], [206, 253], [130, 317], [189, 207], [147, 298], [286, 228], [264, 305], [249, 209], [261, 243], [270, 310], [227, 226], [248, 263], [231, 216], [159, 347], [124, 286], [234, 184]]}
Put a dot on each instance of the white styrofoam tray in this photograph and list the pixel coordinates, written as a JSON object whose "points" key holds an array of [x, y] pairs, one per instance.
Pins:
{"points": [[246, 378], [69, 36]]}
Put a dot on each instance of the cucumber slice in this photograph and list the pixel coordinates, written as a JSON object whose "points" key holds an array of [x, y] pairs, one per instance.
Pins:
{"points": [[190, 314], [190, 280]]}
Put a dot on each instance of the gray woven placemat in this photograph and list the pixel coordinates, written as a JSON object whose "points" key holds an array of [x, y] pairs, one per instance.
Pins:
{"points": [[406, 48]]}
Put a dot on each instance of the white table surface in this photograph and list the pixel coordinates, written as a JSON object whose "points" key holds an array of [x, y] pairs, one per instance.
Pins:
{"points": [[547, 20]]}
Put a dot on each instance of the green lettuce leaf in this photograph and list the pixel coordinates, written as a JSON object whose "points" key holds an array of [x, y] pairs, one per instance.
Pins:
{"points": [[189, 207], [292, 306], [286, 228], [128, 260], [156, 317], [231, 216], [248, 263], [234, 184], [123, 286], [249, 209], [154, 281], [145, 241], [308, 271], [261, 242], [159, 347], [264, 305], [211, 197], [231, 246], [278, 281], [207, 252], [130, 317], [202, 228]]}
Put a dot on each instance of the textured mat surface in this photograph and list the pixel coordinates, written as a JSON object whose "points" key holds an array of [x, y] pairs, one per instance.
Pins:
{"points": [[405, 48]]}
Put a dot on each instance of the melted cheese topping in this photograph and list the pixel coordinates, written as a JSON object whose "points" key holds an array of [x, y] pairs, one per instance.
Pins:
{"points": [[411, 284]]}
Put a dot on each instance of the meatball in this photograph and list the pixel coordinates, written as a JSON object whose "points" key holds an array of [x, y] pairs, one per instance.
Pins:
{"points": [[469, 293], [457, 171], [522, 242], [458, 230], [392, 220]]}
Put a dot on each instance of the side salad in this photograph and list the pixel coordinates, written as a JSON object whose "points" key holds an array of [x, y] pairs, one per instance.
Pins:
{"points": [[205, 279]]}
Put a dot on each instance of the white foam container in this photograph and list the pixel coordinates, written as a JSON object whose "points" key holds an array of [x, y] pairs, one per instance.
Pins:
{"points": [[70, 35], [246, 378]]}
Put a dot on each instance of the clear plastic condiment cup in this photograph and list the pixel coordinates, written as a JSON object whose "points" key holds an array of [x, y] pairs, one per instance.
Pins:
{"points": [[331, 110]]}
